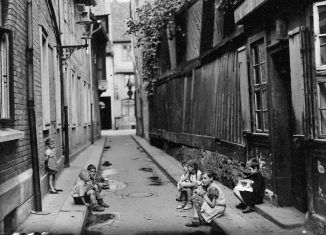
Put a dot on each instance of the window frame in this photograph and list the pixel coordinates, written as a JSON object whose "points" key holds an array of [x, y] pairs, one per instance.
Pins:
{"points": [[11, 77], [319, 108], [45, 84], [317, 35], [261, 123]]}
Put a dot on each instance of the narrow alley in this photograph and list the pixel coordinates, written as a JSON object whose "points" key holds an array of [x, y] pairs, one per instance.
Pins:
{"points": [[141, 197]]}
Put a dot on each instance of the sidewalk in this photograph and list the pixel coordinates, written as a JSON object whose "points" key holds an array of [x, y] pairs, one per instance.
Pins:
{"points": [[268, 219], [63, 216]]}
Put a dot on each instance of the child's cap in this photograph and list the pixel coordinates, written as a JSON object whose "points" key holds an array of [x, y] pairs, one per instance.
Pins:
{"points": [[91, 167], [84, 175], [253, 163]]}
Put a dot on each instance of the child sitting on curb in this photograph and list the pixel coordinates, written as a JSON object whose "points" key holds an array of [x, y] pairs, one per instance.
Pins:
{"points": [[251, 190], [97, 186], [209, 201], [83, 193], [194, 175], [184, 178]]}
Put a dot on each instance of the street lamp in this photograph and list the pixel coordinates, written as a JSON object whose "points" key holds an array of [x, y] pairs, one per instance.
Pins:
{"points": [[129, 85], [66, 51]]}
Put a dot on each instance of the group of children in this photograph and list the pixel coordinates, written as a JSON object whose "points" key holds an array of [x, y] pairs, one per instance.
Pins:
{"points": [[196, 189], [201, 191], [87, 189]]}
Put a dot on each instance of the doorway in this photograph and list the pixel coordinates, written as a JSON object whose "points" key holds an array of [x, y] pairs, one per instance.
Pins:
{"points": [[288, 162], [105, 108]]}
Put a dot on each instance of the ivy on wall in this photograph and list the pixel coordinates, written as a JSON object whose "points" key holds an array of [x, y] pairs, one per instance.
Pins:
{"points": [[226, 5], [152, 19]]}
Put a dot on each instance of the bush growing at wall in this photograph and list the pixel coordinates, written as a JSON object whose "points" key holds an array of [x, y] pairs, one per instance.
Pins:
{"points": [[151, 21], [227, 169]]}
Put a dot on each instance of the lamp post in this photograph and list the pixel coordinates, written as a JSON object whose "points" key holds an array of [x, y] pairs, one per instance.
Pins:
{"points": [[65, 52], [129, 85]]}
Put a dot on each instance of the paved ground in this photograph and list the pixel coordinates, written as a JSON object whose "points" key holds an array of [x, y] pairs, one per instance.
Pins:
{"points": [[141, 198]]}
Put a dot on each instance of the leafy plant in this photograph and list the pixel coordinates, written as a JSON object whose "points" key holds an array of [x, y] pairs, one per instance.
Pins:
{"points": [[225, 5], [151, 21]]}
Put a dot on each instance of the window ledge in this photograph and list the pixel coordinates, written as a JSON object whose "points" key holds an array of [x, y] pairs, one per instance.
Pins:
{"points": [[7, 134]]}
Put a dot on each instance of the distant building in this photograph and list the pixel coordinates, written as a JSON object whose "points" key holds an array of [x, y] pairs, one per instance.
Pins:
{"points": [[117, 105]]}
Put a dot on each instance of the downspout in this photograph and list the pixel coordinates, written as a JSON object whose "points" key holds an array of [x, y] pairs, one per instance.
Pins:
{"points": [[31, 110]]}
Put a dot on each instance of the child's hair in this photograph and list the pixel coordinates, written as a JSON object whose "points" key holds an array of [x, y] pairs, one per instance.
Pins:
{"points": [[210, 174], [253, 163], [84, 174], [91, 167], [193, 164], [183, 163], [48, 141]]}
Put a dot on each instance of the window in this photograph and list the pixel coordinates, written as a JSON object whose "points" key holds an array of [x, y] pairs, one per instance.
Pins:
{"points": [[259, 84], [319, 12], [57, 90], [73, 98], [45, 78], [126, 50], [322, 105], [6, 85], [85, 102]]}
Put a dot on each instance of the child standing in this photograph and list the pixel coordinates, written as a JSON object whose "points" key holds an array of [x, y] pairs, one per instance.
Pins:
{"points": [[194, 176], [209, 201], [253, 194], [51, 164], [97, 186], [83, 192]]}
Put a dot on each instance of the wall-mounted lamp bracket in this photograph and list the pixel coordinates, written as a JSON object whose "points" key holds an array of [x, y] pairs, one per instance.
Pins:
{"points": [[66, 51]]}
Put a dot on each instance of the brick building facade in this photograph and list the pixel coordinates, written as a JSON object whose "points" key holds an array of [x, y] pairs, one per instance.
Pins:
{"points": [[38, 82]]}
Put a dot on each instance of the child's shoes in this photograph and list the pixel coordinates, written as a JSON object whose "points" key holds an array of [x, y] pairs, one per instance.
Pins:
{"points": [[241, 206], [181, 206], [188, 206], [96, 207], [102, 203], [248, 209]]}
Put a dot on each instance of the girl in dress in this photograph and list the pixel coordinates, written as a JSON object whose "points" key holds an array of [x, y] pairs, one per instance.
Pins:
{"points": [[193, 176], [209, 201]]}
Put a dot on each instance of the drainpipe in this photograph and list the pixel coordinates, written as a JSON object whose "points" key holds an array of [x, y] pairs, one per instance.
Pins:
{"points": [[64, 116], [92, 125], [31, 109]]}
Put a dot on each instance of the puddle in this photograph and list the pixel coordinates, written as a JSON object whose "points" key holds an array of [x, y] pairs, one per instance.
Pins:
{"points": [[107, 172], [106, 148], [99, 219], [139, 195], [107, 163], [146, 169], [155, 180], [116, 185]]}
